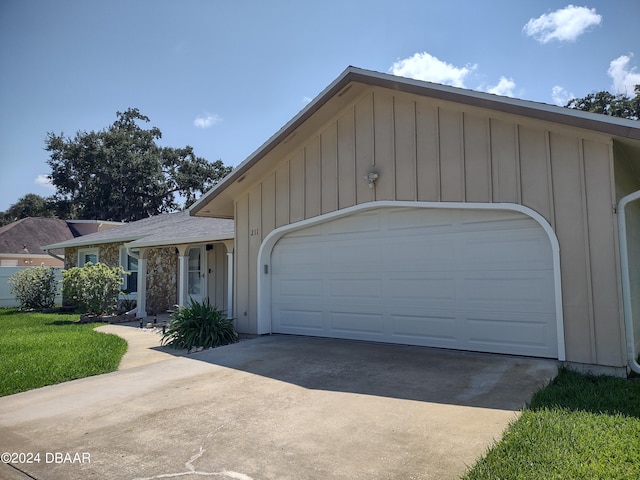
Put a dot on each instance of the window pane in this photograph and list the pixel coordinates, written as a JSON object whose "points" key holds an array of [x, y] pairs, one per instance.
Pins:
{"points": [[194, 283], [194, 259], [132, 283], [132, 264]]}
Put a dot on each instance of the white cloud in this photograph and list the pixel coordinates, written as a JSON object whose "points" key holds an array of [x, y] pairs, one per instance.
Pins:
{"points": [[44, 181], [504, 87], [423, 66], [624, 78], [561, 96], [565, 24], [207, 120]]}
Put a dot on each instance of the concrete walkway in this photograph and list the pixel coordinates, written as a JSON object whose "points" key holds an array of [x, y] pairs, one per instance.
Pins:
{"points": [[277, 407], [143, 344]]}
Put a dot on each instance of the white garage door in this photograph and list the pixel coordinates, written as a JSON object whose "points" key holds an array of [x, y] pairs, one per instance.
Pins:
{"points": [[477, 280]]}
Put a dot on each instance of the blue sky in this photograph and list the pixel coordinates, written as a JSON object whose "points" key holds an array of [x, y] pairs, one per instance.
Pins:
{"points": [[223, 76]]}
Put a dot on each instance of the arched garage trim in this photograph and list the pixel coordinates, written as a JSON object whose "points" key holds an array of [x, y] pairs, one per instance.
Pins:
{"points": [[264, 254]]}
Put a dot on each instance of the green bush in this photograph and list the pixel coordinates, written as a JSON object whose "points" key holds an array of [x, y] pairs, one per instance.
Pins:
{"points": [[93, 289], [199, 325], [34, 287]]}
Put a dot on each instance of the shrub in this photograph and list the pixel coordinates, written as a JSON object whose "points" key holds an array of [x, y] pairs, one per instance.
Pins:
{"points": [[199, 325], [93, 289], [34, 287]]}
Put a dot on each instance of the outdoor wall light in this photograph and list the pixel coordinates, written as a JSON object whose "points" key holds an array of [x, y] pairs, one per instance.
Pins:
{"points": [[371, 178]]}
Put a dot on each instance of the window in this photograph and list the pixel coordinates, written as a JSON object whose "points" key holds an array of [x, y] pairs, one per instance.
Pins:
{"points": [[195, 277], [86, 255], [130, 265]]}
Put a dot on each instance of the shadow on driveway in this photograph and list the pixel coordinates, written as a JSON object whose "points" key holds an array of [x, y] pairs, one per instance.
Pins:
{"points": [[396, 371]]}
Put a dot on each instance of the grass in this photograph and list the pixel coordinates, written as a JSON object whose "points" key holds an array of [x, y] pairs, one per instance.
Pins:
{"points": [[38, 349], [577, 427]]}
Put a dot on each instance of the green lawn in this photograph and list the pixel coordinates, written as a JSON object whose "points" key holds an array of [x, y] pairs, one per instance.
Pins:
{"points": [[578, 427], [38, 349]]}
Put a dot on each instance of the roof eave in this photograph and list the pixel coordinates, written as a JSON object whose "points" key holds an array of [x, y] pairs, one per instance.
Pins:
{"points": [[88, 242], [142, 243]]}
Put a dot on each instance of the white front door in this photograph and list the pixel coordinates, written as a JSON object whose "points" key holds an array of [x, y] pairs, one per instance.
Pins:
{"points": [[195, 274]]}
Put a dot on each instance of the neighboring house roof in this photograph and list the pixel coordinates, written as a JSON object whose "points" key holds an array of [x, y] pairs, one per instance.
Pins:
{"points": [[354, 82], [166, 229], [29, 235]]}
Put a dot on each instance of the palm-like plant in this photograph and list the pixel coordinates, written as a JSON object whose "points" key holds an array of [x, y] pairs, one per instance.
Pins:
{"points": [[199, 324]]}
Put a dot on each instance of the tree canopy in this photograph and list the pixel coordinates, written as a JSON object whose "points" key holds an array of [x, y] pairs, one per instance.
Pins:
{"points": [[122, 174], [609, 104], [31, 205]]}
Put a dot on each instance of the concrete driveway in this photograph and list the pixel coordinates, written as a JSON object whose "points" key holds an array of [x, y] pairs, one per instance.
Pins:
{"points": [[277, 407]]}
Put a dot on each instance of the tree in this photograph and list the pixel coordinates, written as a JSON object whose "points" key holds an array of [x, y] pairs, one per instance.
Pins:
{"points": [[31, 205], [609, 104], [121, 173]]}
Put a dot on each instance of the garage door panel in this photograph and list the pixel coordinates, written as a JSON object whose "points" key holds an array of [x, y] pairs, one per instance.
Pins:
{"points": [[427, 292], [361, 288], [301, 321], [357, 322], [516, 250], [296, 257], [367, 222], [414, 254], [363, 255], [412, 218], [484, 217], [299, 289], [466, 279], [508, 293], [513, 335], [440, 328]]}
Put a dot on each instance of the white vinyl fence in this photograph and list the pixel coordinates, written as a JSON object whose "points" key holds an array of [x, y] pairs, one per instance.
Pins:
{"points": [[7, 299]]}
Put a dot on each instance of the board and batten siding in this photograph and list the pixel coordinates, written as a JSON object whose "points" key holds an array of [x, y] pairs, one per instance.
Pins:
{"points": [[430, 150]]}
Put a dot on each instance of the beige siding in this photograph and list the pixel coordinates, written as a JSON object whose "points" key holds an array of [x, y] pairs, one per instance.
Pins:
{"points": [[535, 171], [255, 239], [405, 149], [572, 235], [346, 161], [477, 153], [430, 150], [505, 161], [364, 149], [451, 156], [312, 175], [242, 264], [329, 169], [384, 146], [601, 225], [427, 153]]}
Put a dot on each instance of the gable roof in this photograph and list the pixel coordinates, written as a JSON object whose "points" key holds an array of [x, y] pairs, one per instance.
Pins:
{"points": [[29, 235], [218, 202], [165, 229]]}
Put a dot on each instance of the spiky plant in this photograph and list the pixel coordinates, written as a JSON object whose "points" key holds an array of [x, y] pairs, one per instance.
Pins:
{"points": [[199, 324]]}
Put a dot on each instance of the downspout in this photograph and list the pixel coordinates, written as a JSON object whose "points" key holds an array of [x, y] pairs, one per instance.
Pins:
{"points": [[626, 282]]}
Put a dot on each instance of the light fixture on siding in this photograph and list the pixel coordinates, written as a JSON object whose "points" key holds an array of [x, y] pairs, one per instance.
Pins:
{"points": [[371, 178]]}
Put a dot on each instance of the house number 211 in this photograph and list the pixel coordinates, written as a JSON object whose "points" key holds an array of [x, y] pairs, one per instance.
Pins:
{"points": [[254, 231]]}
